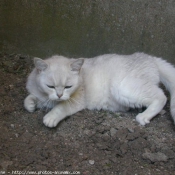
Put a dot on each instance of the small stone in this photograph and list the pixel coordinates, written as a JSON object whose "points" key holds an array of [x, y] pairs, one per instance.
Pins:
{"points": [[155, 157], [11, 86], [102, 146], [113, 132], [91, 162], [12, 125], [17, 135], [162, 112], [131, 130]]}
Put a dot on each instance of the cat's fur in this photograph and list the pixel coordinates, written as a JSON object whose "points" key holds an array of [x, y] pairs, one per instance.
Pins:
{"points": [[110, 82]]}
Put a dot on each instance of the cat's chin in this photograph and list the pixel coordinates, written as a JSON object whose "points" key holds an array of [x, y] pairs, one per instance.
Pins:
{"points": [[58, 100], [62, 99]]}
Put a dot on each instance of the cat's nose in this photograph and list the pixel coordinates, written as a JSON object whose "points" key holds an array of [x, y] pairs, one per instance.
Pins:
{"points": [[59, 95]]}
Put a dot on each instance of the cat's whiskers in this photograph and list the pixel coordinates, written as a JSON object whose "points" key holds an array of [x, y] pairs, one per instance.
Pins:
{"points": [[75, 101], [48, 105], [40, 104], [69, 103], [45, 105]]}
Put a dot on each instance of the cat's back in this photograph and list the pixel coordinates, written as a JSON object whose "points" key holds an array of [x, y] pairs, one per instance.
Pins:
{"points": [[112, 62], [102, 61], [104, 69]]}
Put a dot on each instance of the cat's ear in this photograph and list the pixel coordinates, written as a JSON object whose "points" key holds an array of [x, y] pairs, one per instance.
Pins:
{"points": [[40, 64], [76, 64]]}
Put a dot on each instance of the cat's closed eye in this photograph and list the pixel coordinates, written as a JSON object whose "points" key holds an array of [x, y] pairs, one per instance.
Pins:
{"points": [[67, 87], [52, 87]]}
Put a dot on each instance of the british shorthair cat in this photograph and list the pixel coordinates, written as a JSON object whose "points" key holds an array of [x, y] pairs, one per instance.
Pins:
{"points": [[109, 82]]}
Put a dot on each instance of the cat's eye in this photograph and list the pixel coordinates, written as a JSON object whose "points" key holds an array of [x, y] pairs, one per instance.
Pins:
{"points": [[52, 87], [67, 87]]}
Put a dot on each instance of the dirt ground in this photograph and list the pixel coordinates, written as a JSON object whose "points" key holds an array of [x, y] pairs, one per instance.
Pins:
{"points": [[87, 143]]}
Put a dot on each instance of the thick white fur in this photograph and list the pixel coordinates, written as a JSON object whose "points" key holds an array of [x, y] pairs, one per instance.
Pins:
{"points": [[110, 82]]}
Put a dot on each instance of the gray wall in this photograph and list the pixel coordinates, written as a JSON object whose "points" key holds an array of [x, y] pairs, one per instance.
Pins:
{"points": [[87, 28]]}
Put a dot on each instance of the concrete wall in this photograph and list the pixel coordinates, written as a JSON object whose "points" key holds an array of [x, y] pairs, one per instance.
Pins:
{"points": [[87, 28]]}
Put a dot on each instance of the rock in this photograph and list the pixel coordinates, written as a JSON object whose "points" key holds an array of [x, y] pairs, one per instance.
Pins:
{"points": [[17, 135], [80, 154], [102, 146], [131, 130], [91, 162], [162, 112], [113, 132], [155, 157], [12, 126]]}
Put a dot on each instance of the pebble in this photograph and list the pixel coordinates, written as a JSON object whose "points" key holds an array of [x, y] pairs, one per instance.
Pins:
{"points": [[155, 157], [91, 162], [131, 130], [113, 132], [17, 135], [12, 125], [162, 112], [11, 86]]}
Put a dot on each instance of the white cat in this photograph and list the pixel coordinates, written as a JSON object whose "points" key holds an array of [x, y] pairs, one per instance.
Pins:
{"points": [[110, 82]]}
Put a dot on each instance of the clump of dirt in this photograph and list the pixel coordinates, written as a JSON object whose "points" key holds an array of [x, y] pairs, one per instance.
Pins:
{"points": [[89, 142]]}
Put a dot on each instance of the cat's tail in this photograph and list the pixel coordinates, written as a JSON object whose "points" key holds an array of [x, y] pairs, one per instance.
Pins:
{"points": [[167, 77]]}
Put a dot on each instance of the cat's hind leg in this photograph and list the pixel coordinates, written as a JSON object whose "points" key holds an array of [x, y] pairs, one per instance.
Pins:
{"points": [[154, 106], [30, 103], [141, 93]]}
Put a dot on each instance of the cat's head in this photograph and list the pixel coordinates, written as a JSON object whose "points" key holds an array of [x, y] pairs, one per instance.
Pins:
{"points": [[58, 77]]}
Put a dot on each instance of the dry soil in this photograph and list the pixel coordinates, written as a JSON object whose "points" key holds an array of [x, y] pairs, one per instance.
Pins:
{"points": [[87, 143]]}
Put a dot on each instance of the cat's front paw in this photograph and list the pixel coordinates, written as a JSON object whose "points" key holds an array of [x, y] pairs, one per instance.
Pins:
{"points": [[50, 120], [30, 103], [142, 119]]}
